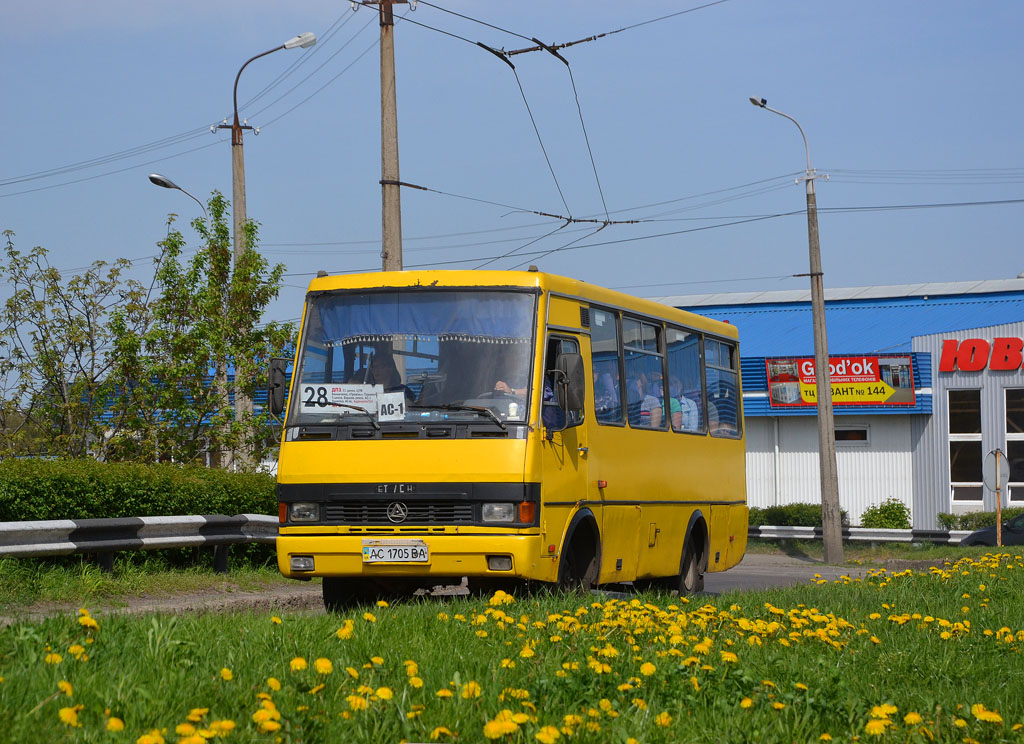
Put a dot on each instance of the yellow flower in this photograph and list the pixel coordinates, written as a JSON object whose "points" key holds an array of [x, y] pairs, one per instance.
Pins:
{"points": [[663, 719], [778, 705], [983, 714], [695, 683], [269, 727], [352, 672], [912, 718], [273, 683], [76, 650], [883, 711], [470, 690], [222, 727], [801, 686], [877, 726], [345, 631], [647, 669], [415, 682], [746, 703], [547, 735], [381, 603], [356, 702], [378, 660], [960, 723], [184, 729], [444, 693], [225, 674], [69, 716], [115, 724], [385, 693], [639, 703], [87, 622], [53, 659], [153, 736], [440, 731], [526, 652], [65, 687], [729, 657], [825, 737], [275, 620], [323, 666], [369, 617], [297, 664], [196, 714]]}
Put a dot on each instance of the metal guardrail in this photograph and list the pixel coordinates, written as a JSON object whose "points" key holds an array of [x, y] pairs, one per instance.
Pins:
{"points": [[107, 536], [866, 534]]}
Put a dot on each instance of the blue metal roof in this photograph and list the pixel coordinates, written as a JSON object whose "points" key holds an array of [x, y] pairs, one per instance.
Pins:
{"points": [[879, 325]]}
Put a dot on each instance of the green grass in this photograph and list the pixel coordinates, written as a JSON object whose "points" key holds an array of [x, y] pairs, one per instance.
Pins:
{"points": [[29, 583], [596, 669]]}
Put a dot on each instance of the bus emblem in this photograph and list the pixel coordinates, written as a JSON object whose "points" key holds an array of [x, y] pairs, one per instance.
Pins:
{"points": [[397, 511]]}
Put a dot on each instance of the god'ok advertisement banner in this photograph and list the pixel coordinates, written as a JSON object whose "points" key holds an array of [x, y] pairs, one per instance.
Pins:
{"points": [[856, 381]]}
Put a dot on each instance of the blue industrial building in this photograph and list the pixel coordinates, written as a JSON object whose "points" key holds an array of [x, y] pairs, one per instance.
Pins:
{"points": [[939, 386]]}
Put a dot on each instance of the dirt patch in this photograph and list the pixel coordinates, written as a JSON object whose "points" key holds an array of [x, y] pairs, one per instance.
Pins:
{"points": [[286, 598]]}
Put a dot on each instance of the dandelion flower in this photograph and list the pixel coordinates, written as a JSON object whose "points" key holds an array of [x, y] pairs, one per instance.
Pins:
{"points": [[357, 702], [385, 693], [275, 620], [825, 737], [381, 603], [65, 687], [663, 719], [323, 666], [778, 706], [746, 703], [470, 690], [647, 669], [912, 718], [444, 693], [980, 712], [226, 675], [184, 729], [115, 724], [297, 664], [273, 683], [883, 711], [53, 658], [877, 726], [196, 714], [369, 617], [729, 657], [548, 735], [377, 660], [69, 716], [345, 631], [960, 723], [440, 731], [801, 686], [415, 682], [222, 727], [87, 622]]}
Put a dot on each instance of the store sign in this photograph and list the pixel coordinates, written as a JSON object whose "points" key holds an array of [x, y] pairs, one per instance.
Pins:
{"points": [[975, 354], [856, 381]]}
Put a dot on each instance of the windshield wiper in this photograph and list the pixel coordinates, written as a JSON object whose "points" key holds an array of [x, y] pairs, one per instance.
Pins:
{"points": [[477, 409], [357, 408]]}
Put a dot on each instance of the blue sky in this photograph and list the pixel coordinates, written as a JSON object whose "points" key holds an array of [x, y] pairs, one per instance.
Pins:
{"points": [[905, 103]]}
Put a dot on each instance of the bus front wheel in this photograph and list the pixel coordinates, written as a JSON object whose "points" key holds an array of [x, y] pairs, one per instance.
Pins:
{"points": [[690, 579], [578, 566], [341, 593]]}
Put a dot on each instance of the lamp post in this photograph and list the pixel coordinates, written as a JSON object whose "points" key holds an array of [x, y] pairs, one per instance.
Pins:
{"points": [[167, 183], [243, 404], [830, 514]]}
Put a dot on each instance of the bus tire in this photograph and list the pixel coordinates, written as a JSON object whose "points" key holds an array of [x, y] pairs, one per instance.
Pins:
{"points": [[341, 593], [691, 579], [580, 561]]}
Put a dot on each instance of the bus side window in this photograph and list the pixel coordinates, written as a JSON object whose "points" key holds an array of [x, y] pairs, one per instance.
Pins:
{"points": [[604, 347], [722, 379], [684, 380]]}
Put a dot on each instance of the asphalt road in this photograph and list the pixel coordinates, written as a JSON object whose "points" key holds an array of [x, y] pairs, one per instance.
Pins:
{"points": [[760, 571]]}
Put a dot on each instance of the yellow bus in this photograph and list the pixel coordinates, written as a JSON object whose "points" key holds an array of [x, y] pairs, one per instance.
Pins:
{"points": [[506, 426]]}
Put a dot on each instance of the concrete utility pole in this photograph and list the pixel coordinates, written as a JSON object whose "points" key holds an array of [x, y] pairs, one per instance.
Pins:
{"points": [[391, 198], [243, 403], [831, 517]]}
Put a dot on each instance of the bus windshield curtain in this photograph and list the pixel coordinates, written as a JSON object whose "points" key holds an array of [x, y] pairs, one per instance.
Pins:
{"points": [[503, 316]]}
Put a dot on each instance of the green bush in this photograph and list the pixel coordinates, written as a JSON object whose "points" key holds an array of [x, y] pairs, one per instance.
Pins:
{"points": [[976, 520], [38, 489], [891, 514], [790, 515]]}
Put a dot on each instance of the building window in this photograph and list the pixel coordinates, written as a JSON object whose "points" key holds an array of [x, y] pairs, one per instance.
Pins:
{"points": [[1015, 444], [965, 454], [853, 435]]}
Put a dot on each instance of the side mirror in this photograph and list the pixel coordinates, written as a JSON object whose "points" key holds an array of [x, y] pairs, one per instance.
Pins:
{"points": [[572, 381], [277, 384]]}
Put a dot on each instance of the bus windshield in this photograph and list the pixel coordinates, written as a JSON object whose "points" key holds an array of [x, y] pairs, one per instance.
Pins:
{"points": [[415, 354]]}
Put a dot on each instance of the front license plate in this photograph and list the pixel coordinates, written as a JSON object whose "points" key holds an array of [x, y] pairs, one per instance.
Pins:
{"points": [[395, 551]]}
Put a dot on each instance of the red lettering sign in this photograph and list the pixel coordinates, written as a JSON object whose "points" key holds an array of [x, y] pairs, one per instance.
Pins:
{"points": [[974, 354]]}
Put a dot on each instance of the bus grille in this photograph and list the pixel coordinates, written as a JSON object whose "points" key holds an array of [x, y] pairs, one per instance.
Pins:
{"points": [[420, 512]]}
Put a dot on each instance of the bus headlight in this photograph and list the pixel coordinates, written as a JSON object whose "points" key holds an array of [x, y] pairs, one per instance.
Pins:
{"points": [[304, 511], [499, 512]]}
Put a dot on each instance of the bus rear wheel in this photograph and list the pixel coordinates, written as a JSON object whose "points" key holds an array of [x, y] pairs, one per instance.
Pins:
{"points": [[690, 579]]}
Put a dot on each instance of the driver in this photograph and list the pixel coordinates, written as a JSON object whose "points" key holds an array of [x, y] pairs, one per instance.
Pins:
{"points": [[501, 386]]}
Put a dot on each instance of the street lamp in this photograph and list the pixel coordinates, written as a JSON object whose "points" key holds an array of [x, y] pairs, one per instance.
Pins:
{"points": [[243, 404], [302, 41], [167, 183], [830, 515]]}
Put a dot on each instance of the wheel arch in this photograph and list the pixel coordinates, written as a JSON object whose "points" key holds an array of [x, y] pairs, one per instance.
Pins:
{"points": [[584, 520]]}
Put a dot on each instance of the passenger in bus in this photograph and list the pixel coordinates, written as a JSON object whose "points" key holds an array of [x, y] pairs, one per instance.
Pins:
{"points": [[688, 416], [651, 406], [606, 397]]}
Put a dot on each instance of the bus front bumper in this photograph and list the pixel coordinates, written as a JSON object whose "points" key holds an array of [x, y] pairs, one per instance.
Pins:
{"points": [[304, 555]]}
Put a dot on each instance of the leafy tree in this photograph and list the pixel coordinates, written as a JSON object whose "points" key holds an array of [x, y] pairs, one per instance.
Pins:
{"points": [[176, 395], [56, 353]]}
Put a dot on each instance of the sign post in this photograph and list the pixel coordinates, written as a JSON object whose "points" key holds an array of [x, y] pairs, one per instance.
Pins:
{"points": [[995, 472]]}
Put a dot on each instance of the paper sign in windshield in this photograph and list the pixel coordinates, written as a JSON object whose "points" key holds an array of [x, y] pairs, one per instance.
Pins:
{"points": [[337, 398]]}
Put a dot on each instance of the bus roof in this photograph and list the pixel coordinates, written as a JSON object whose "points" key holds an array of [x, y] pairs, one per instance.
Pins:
{"points": [[543, 281]]}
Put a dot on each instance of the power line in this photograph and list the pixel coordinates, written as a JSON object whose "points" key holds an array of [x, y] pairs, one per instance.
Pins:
{"points": [[595, 37], [475, 20]]}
